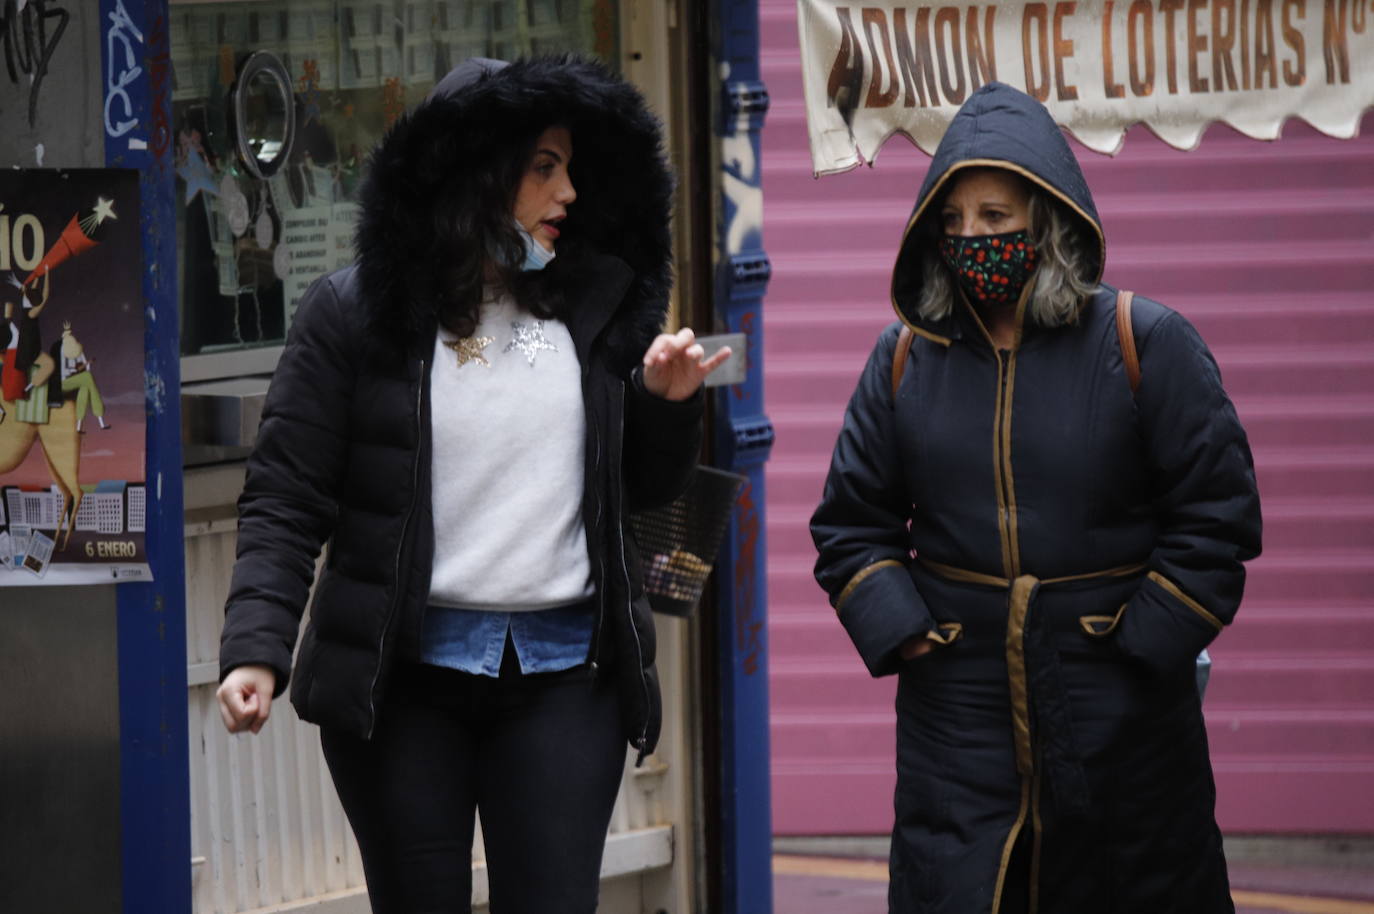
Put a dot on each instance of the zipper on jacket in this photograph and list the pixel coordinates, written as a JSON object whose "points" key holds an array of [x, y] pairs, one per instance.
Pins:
{"points": [[1001, 464], [641, 742], [1001, 458], [400, 549], [1011, 560], [596, 522], [1008, 477], [600, 558]]}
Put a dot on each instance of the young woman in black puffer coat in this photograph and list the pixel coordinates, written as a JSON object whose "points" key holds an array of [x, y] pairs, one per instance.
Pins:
{"points": [[466, 416]]}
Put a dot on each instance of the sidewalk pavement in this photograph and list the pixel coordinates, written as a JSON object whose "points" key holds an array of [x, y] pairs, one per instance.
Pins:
{"points": [[1287, 875]]}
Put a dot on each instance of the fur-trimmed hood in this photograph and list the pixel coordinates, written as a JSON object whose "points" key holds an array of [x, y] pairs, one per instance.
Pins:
{"points": [[487, 111]]}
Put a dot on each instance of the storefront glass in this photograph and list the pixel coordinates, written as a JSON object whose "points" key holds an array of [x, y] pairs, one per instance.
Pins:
{"points": [[250, 244]]}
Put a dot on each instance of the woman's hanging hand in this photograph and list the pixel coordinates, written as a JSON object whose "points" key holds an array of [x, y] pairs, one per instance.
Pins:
{"points": [[915, 647], [245, 697], [675, 364]]}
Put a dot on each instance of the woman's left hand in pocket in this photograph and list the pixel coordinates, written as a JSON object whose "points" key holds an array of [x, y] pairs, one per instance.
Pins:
{"points": [[915, 647]]}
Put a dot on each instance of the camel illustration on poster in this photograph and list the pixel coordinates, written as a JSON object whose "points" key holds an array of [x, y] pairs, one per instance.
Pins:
{"points": [[73, 495]]}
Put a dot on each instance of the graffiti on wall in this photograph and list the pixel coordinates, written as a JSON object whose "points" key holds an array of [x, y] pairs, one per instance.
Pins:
{"points": [[30, 32], [123, 44], [748, 618]]}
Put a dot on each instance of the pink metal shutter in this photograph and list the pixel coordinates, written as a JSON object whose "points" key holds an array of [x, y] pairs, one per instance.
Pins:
{"points": [[1269, 249]]}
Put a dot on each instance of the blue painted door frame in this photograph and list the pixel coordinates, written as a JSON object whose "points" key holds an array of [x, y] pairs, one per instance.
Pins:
{"points": [[743, 436], [155, 809]]}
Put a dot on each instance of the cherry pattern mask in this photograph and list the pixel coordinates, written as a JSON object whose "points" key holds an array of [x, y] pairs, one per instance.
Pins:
{"points": [[991, 269]]}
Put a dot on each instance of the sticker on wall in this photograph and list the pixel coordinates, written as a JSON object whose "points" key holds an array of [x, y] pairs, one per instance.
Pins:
{"points": [[262, 230], [73, 491], [234, 202]]}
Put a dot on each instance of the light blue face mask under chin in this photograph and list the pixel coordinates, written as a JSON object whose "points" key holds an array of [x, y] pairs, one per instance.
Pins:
{"points": [[537, 257]]}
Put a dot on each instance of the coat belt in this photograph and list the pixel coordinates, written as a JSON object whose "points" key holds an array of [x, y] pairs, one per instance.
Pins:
{"points": [[1037, 683]]}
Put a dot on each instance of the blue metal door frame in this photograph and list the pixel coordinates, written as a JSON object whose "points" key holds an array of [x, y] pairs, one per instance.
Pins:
{"points": [[743, 438], [155, 809]]}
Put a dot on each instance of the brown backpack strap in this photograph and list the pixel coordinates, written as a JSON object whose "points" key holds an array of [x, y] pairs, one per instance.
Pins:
{"points": [[904, 340], [1126, 335]]}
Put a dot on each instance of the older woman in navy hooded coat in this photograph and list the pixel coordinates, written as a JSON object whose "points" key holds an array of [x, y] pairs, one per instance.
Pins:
{"points": [[1037, 550]]}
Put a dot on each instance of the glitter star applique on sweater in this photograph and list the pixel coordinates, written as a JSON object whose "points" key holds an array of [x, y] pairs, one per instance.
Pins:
{"points": [[469, 349], [529, 340]]}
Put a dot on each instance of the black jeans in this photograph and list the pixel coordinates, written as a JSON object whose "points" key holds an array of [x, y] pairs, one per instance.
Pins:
{"points": [[540, 756]]}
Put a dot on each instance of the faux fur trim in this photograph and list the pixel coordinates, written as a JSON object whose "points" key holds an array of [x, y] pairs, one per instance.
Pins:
{"points": [[624, 189]]}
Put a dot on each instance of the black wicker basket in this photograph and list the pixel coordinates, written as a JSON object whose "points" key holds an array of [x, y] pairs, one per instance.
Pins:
{"points": [[678, 542]]}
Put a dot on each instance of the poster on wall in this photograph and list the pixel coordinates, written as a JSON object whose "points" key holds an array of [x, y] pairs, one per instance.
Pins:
{"points": [[881, 67], [73, 490]]}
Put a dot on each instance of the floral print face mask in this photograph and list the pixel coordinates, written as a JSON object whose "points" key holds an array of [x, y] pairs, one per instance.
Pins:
{"points": [[991, 269]]}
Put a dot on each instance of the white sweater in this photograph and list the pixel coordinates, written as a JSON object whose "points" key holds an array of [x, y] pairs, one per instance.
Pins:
{"points": [[509, 433]]}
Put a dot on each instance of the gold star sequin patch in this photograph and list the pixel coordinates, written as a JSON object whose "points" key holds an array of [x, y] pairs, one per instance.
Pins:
{"points": [[469, 349]]}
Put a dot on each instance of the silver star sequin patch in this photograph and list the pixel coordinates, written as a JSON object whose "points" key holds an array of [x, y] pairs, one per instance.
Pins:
{"points": [[528, 340]]}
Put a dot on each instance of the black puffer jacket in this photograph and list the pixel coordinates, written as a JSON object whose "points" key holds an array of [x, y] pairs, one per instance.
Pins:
{"points": [[1071, 547], [343, 452]]}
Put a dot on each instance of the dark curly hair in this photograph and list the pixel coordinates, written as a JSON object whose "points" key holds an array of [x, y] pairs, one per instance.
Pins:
{"points": [[476, 212], [437, 204]]}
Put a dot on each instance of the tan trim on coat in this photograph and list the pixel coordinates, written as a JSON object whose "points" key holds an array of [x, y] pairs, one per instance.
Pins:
{"points": [[964, 576], [860, 577], [977, 318], [946, 633], [999, 468], [933, 337], [1186, 600], [1120, 571], [1090, 623], [1008, 845], [1021, 590], [1013, 530], [1003, 476], [1018, 607], [1008, 398]]}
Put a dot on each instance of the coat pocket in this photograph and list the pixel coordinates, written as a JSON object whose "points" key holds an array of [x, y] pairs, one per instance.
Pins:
{"points": [[946, 633], [1100, 626]]}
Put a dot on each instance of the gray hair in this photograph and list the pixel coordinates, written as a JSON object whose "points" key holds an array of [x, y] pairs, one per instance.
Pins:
{"points": [[1061, 281]]}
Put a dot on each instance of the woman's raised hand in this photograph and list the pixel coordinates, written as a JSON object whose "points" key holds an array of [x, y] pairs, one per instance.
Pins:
{"points": [[245, 697], [675, 364]]}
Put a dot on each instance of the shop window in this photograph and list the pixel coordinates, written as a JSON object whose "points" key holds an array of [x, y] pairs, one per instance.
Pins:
{"points": [[250, 244]]}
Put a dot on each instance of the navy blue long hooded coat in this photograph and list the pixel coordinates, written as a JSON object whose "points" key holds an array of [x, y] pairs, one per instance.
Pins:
{"points": [[1070, 546]]}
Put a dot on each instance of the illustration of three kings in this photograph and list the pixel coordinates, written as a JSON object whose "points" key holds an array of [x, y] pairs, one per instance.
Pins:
{"points": [[34, 379]]}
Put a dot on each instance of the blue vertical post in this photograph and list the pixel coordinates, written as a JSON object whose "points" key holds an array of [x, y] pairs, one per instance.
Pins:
{"points": [[155, 808], [743, 436]]}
